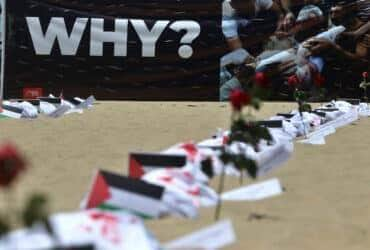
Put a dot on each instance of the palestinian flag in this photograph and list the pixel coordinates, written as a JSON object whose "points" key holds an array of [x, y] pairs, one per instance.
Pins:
{"points": [[81, 103], [140, 163], [10, 112], [74, 101], [115, 192], [34, 102]]}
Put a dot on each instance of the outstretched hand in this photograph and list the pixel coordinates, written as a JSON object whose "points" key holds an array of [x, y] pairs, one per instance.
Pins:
{"points": [[317, 46]]}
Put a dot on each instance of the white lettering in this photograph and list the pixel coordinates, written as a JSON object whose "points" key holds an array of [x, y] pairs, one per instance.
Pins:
{"points": [[148, 37], [68, 44], [99, 36]]}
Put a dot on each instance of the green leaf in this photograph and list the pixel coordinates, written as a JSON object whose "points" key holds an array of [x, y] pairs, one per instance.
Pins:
{"points": [[256, 103], [261, 93], [305, 107], [248, 132], [301, 95], [35, 210], [322, 92], [225, 157], [243, 163]]}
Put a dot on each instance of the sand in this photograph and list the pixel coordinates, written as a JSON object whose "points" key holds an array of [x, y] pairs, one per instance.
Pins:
{"points": [[326, 204]]}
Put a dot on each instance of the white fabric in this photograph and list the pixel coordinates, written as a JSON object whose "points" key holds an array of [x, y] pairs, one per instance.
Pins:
{"points": [[283, 56], [46, 108], [268, 158], [28, 110], [330, 35], [364, 110], [254, 192], [103, 230], [106, 230], [235, 57], [186, 185], [34, 238]]}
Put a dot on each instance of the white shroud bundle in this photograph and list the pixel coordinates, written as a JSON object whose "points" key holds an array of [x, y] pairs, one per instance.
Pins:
{"points": [[301, 55]]}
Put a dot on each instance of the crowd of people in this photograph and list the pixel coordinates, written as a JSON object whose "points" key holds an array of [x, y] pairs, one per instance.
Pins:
{"points": [[256, 30]]}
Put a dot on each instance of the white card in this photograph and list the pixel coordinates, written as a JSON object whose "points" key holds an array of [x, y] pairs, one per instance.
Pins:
{"points": [[254, 192], [59, 111], [213, 237], [316, 140], [322, 131]]}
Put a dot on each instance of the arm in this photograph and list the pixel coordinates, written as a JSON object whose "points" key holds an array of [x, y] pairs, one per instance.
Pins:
{"points": [[356, 58], [234, 43], [320, 47], [355, 35], [363, 29], [230, 31]]}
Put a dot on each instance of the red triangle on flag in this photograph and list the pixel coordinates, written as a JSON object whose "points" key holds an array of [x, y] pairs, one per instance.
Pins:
{"points": [[99, 192], [136, 170]]}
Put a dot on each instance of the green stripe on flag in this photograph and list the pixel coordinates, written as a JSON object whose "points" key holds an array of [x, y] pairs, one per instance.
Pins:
{"points": [[3, 116], [107, 207]]}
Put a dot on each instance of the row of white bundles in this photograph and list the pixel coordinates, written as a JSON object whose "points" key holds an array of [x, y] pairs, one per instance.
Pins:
{"points": [[182, 181], [321, 122], [175, 182], [191, 180], [172, 183], [49, 106]]}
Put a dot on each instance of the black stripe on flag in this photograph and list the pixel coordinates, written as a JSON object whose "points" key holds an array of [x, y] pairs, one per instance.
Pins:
{"points": [[271, 123], [34, 102], [285, 115], [12, 109], [322, 114], [327, 109], [140, 163], [51, 100], [160, 160], [73, 101], [133, 185]]}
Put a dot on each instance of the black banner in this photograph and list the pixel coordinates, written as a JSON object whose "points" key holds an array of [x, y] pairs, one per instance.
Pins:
{"points": [[126, 49]]}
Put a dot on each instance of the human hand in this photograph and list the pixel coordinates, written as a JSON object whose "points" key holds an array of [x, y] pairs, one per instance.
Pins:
{"points": [[318, 45]]}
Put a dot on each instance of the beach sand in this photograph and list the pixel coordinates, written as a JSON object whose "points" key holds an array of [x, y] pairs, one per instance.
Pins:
{"points": [[326, 204]]}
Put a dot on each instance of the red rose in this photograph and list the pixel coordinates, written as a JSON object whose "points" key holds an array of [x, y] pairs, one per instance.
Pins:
{"points": [[239, 98], [365, 74], [11, 164], [261, 79], [293, 81], [318, 80], [225, 140]]}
